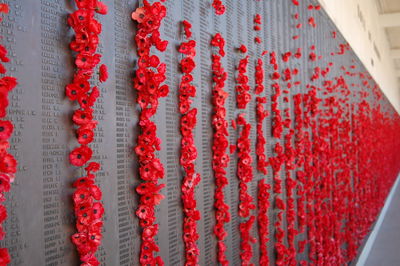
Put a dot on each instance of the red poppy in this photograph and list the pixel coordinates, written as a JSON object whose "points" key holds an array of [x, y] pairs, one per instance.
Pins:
{"points": [[8, 164], [144, 212], [87, 60], [4, 183], [3, 213], [243, 49], [73, 91], [187, 28], [188, 48], [82, 195], [7, 84], [85, 136], [5, 258], [79, 156], [101, 8], [4, 9], [218, 41], [93, 167], [82, 117], [103, 73], [87, 100], [83, 182], [187, 65], [89, 260], [95, 191], [219, 7], [311, 21], [6, 129], [94, 238], [3, 54]]}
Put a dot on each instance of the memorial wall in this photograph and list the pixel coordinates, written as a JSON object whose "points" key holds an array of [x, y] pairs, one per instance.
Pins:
{"points": [[332, 138]]}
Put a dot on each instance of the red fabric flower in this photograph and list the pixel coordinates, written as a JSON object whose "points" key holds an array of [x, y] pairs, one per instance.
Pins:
{"points": [[243, 49], [187, 28], [85, 136], [103, 74], [187, 65], [82, 117], [101, 8], [5, 258], [8, 164], [218, 41], [219, 7], [80, 156], [6, 129]]}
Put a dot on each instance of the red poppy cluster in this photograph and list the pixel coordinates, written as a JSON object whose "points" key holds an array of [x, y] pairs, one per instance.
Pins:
{"points": [[263, 220], [245, 175], [147, 82], [259, 76], [188, 149], [87, 206], [278, 161], [220, 143], [8, 164], [257, 27], [277, 125], [243, 97], [261, 114], [300, 159], [218, 7], [289, 160], [332, 166]]}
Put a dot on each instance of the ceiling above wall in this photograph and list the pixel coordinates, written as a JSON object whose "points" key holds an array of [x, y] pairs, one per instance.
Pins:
{"points": [[390, 20]]}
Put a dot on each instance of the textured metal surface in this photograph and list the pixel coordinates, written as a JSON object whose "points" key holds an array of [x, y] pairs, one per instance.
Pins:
{"points": [[40, 215]]}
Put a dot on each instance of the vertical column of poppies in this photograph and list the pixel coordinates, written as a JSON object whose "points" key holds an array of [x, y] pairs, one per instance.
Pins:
{"points": [[257, 27], [261, 114], [245, 175], [188, 148], [300, 174], [243, 96], [289, 162], [150, 74], [290, 186], [263, 188], [277, 161], [220, 143], [263, 220], [319, 148], [87, 206], [8, 164], [262, 161], [310, 111]]}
